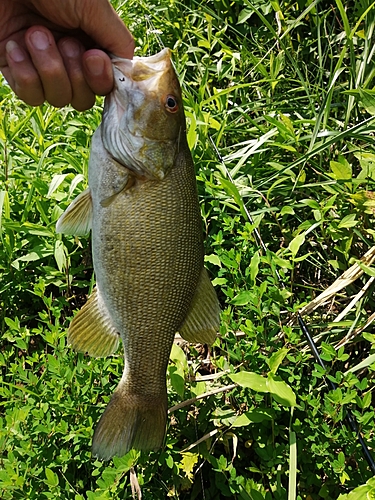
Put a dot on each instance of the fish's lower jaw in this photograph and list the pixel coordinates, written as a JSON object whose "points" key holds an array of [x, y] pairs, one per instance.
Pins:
{"points": [[130, 421]]}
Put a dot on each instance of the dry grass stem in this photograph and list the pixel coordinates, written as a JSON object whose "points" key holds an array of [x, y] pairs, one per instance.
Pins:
{"points": [[191, 401], [355, 299], [204, 438], [134, 484], [351, 335], [348, 277]]}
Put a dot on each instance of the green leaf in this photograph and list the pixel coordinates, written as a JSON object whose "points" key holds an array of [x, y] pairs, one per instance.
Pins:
{"points": [[242, 298], [283, 263], [53, 364], [214, 123], [60, 255], [348, 221], [37, 229], [281, 391], [232, 190], [55, 183], [178, 356], [192, 130], [254, 266], [204, 43], [38, 252], [213, 259], [245, 14], [4, 204], [96, 495], [250, 380], [169, 461], [276, 359], [328, 351], [359, 493], [341, 171], [177, 371], [242, 421], [287, 210], [368, 100], [219, 281], [311, 203], [108, 478], [77, 179], [368, 270], [124, 463], [256, 416], [52, 478], [177, 381], [296, 243]]}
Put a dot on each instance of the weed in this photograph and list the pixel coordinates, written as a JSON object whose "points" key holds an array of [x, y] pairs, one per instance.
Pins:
{"points": [[286, 91]]}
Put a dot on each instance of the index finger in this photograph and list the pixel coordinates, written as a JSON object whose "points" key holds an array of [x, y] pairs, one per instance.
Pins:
{"points": [[104, 26]]}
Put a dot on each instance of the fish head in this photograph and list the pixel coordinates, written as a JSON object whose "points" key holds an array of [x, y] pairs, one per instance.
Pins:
{"points": [[143, 118]]}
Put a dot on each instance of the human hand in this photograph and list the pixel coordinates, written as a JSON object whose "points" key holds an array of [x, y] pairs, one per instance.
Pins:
{"points": [[48, 49]]}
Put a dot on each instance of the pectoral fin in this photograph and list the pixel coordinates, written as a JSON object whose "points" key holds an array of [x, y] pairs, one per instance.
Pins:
{"points": [[92, 330], [77, 217], [203, 319]]}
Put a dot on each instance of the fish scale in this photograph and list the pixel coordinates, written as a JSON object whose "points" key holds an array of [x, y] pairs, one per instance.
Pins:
{"points": [[142, 207], [158, 282]]}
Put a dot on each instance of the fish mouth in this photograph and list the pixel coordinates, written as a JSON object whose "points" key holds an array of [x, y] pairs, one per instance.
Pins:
{"points": [[151, 64], [136, 75], [144, 71]]}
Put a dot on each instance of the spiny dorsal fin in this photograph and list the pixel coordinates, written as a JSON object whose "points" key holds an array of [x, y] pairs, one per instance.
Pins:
{"points": [[203, 319], [92, 330], [77, 217]]}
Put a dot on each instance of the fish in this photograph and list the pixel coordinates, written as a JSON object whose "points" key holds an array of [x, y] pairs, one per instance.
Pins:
{"points": [[142, 208]]}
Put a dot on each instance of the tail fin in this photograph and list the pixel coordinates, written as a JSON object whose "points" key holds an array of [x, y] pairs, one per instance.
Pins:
{"points": [[130, 421]]}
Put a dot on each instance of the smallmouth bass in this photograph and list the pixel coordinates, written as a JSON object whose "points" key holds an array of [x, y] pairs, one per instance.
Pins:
{"points": [[142, 208]]}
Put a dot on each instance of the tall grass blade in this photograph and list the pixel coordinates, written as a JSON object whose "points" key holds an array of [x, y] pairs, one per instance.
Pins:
{"points": [[292, 483]]}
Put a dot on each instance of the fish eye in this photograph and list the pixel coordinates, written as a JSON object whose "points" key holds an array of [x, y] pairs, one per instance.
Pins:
{"points": [[171, 104]]}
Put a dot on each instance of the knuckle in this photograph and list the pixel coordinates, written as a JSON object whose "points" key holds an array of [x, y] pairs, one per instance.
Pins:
{"points": [[52, 70], [27, 80], [29, 90]]}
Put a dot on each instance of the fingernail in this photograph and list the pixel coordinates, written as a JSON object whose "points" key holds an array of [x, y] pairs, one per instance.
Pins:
{"points": [[70, 48], [95, 65], [14, 51], [39, 40]]}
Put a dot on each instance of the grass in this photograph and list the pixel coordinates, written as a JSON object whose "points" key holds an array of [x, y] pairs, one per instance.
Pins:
{"points": [[286, 92]]}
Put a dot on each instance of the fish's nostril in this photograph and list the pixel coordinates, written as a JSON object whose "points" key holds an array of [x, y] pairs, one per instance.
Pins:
{"points": [[122, 79]]}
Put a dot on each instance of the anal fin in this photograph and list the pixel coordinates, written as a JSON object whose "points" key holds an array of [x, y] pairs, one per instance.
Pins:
{"points": [[203, 320], [92, 331]]}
